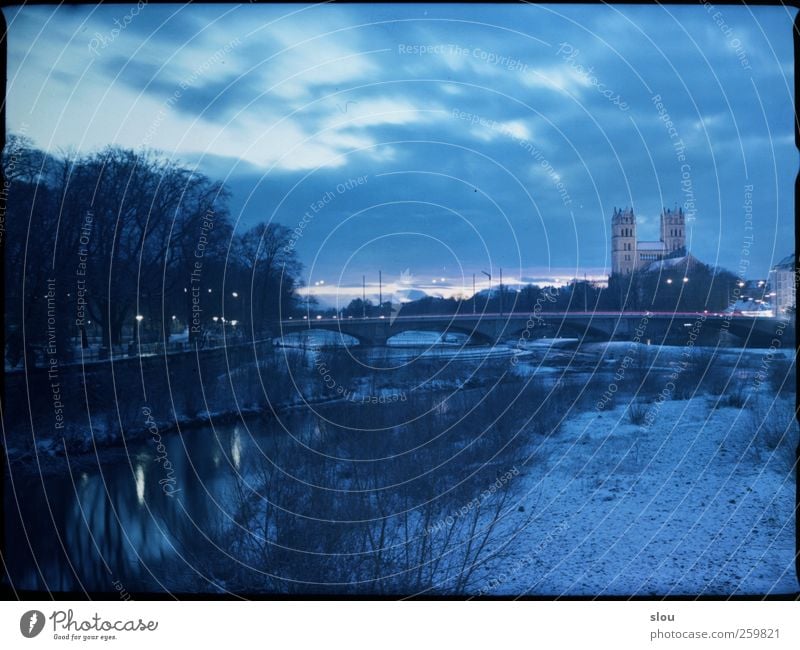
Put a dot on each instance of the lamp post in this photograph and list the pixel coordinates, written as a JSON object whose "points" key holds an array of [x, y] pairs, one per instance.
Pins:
{"points": [[474, 298], [139, 319], [501, 291], [585, 297], [488, 275]]}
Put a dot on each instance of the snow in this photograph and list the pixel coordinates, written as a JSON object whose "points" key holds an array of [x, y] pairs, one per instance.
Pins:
{"points": [[695, 504]]}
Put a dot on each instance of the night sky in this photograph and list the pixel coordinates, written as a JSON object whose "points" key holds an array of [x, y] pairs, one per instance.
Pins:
{"points": [[434, 142]]}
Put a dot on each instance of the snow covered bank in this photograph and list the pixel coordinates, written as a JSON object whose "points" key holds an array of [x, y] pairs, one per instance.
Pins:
{"points": [[699, 503]]}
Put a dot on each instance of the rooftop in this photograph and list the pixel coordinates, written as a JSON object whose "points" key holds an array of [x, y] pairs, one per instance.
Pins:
{"points": [[786, 263], [671, 263], [651, 246]]}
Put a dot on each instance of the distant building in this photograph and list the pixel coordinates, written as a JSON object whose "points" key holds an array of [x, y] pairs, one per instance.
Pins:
{"points": [[628, 254], [782, 284], [682, 264]]}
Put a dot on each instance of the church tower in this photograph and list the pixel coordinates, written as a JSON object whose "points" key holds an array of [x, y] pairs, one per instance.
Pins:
{"points": [[673, 230], [623, 241]]}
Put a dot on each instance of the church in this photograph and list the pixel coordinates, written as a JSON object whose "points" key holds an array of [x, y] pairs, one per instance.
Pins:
{"points": [[629, 254]]}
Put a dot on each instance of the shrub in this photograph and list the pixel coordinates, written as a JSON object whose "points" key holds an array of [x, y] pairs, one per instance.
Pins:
{"points": [[782, 375], [637, 412]]}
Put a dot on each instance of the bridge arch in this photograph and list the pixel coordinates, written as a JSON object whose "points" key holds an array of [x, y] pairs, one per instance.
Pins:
{"points": [[473, 334], [343, 337], [562, 328]]}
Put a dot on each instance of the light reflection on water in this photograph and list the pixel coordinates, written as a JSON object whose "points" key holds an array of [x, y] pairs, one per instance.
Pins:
{"points": [[140, 484], [115, 522]]}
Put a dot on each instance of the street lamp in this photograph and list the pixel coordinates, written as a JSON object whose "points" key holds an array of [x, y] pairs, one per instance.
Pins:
{"points": [[669, 280], [685, 280], [473, 293], [139, 319], [501, 291]]}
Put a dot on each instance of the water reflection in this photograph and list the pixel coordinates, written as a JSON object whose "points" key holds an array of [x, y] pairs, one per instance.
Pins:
{"points": [[140, 484], [82, 528]]}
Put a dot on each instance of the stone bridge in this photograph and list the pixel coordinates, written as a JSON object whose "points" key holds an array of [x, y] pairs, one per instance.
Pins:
{"points": [[757, 331]]}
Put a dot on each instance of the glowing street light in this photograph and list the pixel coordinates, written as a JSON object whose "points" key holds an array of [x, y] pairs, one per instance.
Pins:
{"points": [[235, 294], [139, 319], [669, 280], [215, 318], [685, 280]]}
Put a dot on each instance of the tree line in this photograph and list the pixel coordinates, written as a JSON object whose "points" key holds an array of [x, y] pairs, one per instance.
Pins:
{"points": [[126, 245], [687, 287]]}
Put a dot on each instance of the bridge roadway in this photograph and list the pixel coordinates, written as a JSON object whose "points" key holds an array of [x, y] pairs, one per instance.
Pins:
{"points": [[491, 328]]}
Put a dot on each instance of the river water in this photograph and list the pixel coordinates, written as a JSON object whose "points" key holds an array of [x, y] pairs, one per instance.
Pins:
{"points": [[125, 519]]}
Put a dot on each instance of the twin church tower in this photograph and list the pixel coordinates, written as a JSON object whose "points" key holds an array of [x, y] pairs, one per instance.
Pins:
{"points": [[628, 254]]}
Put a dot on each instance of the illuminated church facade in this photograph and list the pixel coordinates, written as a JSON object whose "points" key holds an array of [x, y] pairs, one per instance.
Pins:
{"points": [[628, 254]]}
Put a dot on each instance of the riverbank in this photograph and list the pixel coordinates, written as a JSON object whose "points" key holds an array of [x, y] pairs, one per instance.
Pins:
{"points": [[700, 502]]}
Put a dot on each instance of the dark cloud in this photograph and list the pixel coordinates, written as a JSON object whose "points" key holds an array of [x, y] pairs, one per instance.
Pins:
{"points": [[503, 135]]}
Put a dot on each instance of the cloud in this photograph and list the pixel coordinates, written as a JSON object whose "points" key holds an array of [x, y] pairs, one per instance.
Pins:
{"points": [[308, 96]]}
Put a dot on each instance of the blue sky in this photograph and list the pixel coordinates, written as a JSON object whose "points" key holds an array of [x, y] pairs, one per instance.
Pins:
{"points": [[439, 140]]}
